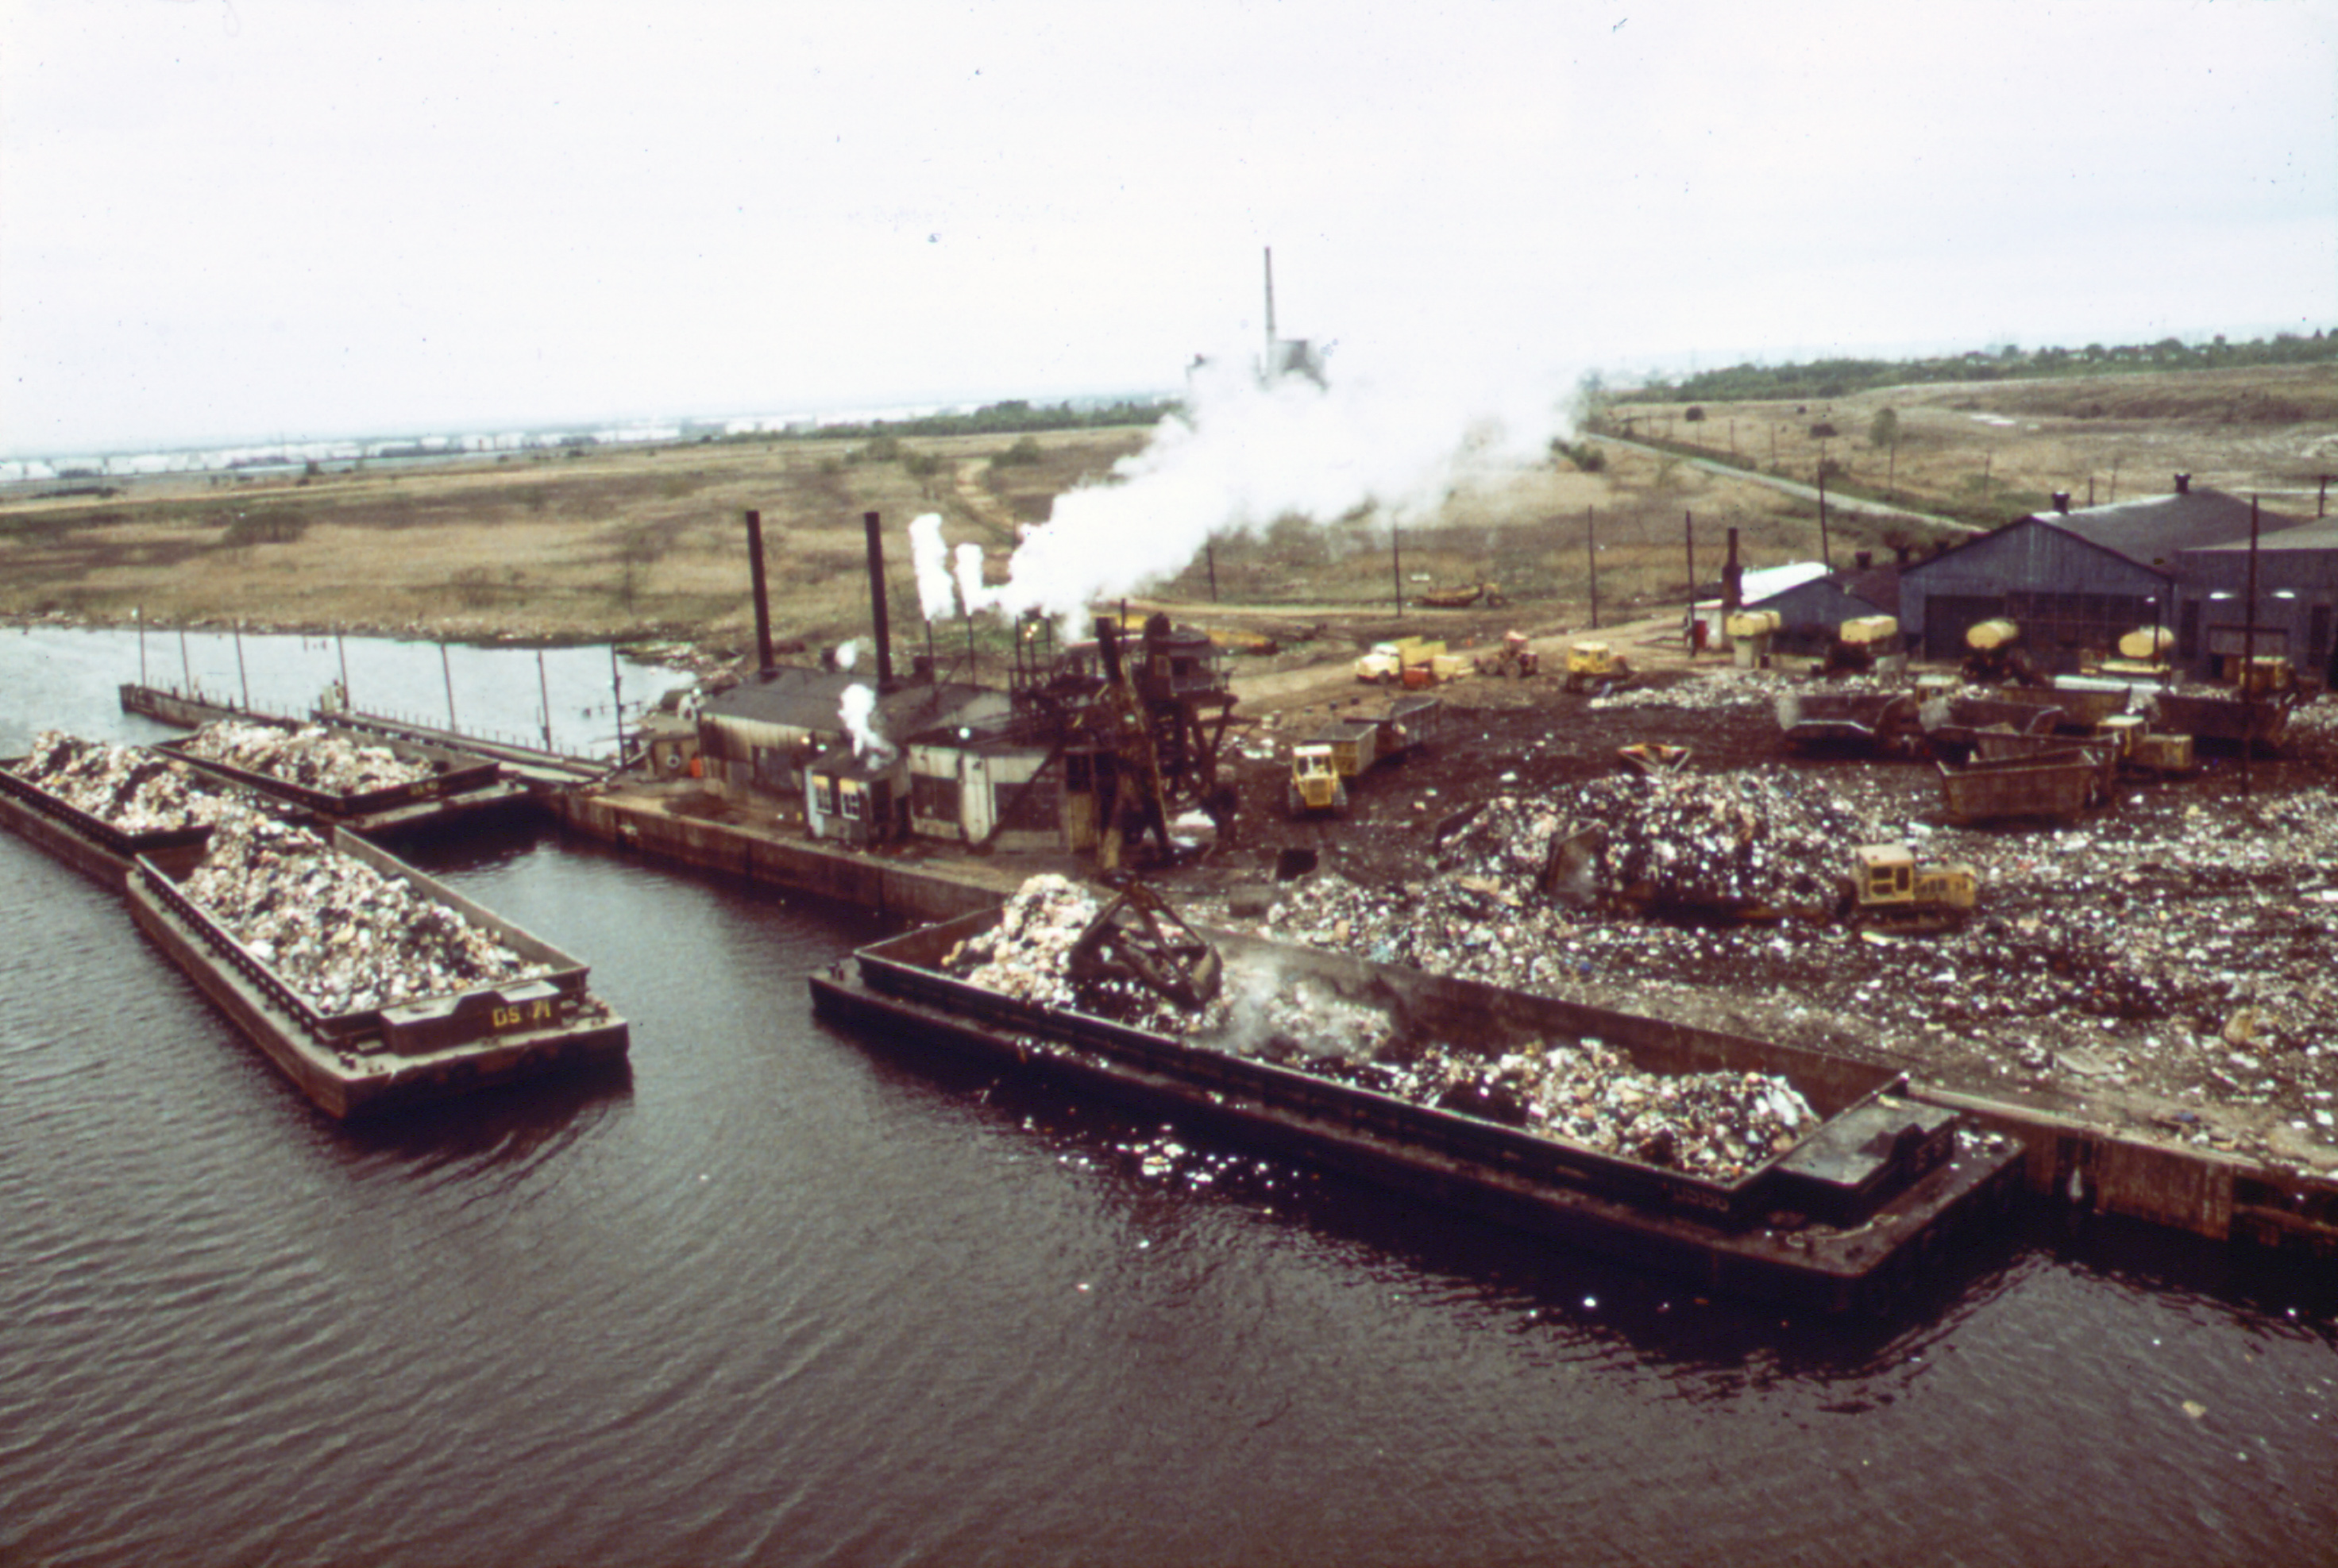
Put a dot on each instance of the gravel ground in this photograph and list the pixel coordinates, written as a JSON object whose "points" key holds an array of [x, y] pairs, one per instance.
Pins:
{"points": [[2171, 958]]}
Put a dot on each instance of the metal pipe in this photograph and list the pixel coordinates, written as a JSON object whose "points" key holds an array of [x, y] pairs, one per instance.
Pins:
{"points": [[544, 691], [448, 670], [241, 677], [763, 662], [186, 669], [1396, 567], [139, 615], [342, 643]]}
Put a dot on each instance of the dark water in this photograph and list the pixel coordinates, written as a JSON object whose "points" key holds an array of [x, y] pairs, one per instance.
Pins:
{"points": [[779, 1294]]}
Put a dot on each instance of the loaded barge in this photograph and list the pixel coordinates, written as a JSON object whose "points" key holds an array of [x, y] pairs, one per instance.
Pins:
{"points": [[375, 1059], [1845, 1219], [91, 845], [453, 784]]}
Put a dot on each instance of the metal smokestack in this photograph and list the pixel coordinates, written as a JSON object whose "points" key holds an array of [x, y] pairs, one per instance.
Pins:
{"points": [[1270, 310], [876, 602], [764, 665]]}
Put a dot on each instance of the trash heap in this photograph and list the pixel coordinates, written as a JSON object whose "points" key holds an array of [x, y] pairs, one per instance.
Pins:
{"points": [[311, 756], [1028, 955], [1723, 843], [1717, 1125], [131, 788], [339, 932]]}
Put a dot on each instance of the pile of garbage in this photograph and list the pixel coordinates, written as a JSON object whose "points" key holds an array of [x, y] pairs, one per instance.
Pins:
{"points": [[1725, 842], [133, 789], [311, 756], [1720, 1125], [339, 932], [1027, 957]]}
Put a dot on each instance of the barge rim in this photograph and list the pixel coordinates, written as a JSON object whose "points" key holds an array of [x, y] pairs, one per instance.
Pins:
{"points": [[346, 1083], [1866, 1267]]}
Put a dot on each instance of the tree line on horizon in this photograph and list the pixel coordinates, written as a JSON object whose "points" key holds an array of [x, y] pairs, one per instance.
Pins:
{"points": [[1841, 378]]}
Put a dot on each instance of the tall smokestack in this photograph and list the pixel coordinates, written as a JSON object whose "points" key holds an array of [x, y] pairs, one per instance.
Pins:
{"points": [[764, 665], [1269, 309], [1732, 579], [876, 602]]}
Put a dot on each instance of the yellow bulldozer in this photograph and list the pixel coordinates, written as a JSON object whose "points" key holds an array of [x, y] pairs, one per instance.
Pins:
{"points": [[1889, 891], [1589, 665]]}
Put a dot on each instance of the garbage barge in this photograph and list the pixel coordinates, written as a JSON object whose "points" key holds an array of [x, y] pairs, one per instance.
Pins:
{"points": [[357, 1056], [371, 784], [1846, 1218]]}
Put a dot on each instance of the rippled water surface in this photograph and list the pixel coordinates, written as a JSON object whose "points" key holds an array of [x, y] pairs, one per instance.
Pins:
{"points": [[779, 1294]]}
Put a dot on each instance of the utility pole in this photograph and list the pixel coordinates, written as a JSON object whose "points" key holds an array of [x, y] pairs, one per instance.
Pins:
{"points": [[1688, 532], [1396, 567], [1826, 551], [2249, 657], [1591, 554]]}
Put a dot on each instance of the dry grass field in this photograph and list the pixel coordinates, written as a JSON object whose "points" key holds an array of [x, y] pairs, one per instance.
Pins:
{"points": [[649, 544]]}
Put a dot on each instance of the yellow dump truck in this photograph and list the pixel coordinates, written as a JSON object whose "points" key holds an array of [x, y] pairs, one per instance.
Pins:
{"points": [[1386, 663], [1350, 747]]}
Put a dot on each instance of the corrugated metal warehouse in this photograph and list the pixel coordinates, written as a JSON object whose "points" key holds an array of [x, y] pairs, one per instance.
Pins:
{"points": [[2076, 580]]}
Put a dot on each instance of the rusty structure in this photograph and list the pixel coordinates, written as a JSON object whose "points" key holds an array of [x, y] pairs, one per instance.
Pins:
{"points": [[1134, 724]]}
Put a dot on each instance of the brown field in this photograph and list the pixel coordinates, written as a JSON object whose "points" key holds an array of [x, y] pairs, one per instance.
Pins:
{"points": [[649, 543]]}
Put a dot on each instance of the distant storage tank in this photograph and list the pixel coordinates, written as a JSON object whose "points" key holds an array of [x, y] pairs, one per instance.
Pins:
{"points": [[1988, 636], [1868, 630], [2151, 643]]}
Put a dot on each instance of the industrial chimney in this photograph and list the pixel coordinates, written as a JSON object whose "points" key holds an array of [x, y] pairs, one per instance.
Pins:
{"points": [[876, 602], [764, 662], [2062, 500], [2184, 484]]}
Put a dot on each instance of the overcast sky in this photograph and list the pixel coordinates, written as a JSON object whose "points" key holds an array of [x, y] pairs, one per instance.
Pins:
{"points": [[245, 219]]}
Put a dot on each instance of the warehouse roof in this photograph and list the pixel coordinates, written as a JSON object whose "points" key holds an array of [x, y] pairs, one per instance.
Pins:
{"points": [[798, 698], [2149, 532]]}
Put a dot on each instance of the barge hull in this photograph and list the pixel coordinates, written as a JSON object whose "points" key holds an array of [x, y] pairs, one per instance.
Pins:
{"points": [[347, 1083], [1808, 1266]]}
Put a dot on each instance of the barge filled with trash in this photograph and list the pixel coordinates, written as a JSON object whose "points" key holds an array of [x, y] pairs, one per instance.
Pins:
{"points": [[368, 984], [368, 784], [1749, 1167], [98, 807]]}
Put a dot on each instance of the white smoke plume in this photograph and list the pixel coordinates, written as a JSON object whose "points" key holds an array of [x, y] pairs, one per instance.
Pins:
{"points": [[848, 653], [937, 593], [857, 709], [1392, 441]]}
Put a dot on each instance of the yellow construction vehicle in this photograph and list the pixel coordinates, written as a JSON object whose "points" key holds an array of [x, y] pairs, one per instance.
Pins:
{"points": [[1590, 664], [1514, 657], [1315, 781], [1889, 891]]}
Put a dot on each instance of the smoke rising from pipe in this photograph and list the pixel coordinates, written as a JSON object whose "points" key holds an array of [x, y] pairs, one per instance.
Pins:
{"points": [[857, 709], [1387, 443], [937, 594]]}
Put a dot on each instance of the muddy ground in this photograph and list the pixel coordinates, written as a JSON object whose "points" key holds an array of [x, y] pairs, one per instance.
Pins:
{"points": [[2169, 959]]}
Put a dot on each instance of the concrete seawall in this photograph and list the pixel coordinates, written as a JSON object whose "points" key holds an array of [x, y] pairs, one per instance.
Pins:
{"points": [[2079, 1156], [912, 891]]}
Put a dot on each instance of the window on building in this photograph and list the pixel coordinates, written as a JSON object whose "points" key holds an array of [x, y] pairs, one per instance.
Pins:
{"points": [[855, 801], [933, 797]]}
